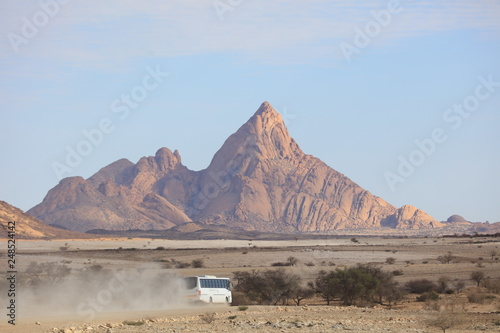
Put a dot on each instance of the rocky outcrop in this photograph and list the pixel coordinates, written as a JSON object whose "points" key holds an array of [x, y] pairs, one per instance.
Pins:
{"points": [[121, 196], [27, 226], [456, 219], [259, 179], [409, 217]]}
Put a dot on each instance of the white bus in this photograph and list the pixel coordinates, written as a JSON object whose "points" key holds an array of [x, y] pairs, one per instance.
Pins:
{"points": [[208, 289]]}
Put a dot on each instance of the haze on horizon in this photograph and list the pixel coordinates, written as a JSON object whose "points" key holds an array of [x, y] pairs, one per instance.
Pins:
{"points": [[200, 69]]}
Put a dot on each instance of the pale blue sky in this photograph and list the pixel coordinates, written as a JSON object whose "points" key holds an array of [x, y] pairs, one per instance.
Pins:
{"points": [[358, 116]]}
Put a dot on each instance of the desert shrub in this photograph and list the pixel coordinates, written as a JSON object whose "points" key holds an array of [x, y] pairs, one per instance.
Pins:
{"points": [[420, 286], [133, 323], [428, 296], [197, 263], [270, 286], [47, 272], [390, 260], [476, 297], [310, 264], [443, 284], [160, 248], [292, 261], [459, 285], [445, 320], [182, 265], [280, 264], [354, 240], [446, 259], [477, 276], [492, 285], [397, 272], [242, 308], [240, 298], [208, 318], [363, 283]]}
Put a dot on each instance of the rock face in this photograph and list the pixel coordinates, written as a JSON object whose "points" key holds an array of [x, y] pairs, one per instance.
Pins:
{"points": [[27, 226], [258, 180]]}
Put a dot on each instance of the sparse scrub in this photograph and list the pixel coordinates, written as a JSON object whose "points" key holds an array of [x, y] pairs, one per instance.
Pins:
{"points": [[492, 285], [446, 259], [197, 263], [397, 272], [390, 260], [133, 323], [442, 284], [310, 264], [476, 297], [208, 318], [429, 296], [477, 276], [182, 265], [242, 308], [420, 286], [445, 320], [292, 261]]}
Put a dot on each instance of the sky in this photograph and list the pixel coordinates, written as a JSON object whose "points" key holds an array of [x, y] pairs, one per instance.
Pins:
{"points": [[403, 97]]}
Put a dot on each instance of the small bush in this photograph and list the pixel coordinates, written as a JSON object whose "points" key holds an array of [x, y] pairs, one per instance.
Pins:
{"points": [[420, 286], [280, 264], [208, 318], [390, 260], [231, 317], [160, 248], [292, 261], [242, 308], [182, 265], [397, 272], [477, 298], [197, 263], [133, 323], [429, 296], [310, 264]]}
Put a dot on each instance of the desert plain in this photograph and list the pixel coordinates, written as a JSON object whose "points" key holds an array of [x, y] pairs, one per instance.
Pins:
{"points": [[142, 263]]}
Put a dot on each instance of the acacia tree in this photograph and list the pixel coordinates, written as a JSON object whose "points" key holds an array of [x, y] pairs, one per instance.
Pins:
{"points": [[323, 285], [270, 286], [363, 282], [477, 276]]}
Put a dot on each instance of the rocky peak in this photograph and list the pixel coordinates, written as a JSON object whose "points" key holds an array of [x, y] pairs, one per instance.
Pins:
{"points": [[163, 161], [166, 160]]}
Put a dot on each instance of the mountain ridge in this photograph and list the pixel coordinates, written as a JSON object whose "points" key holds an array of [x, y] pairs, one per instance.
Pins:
{"points": [[259, 179]]}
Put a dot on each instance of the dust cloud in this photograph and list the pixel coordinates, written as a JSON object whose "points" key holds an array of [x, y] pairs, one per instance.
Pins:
{"points": [[54, 290]]}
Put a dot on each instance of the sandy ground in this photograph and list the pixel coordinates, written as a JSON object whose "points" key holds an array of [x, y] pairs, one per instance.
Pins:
{"points": [[416, 257]]}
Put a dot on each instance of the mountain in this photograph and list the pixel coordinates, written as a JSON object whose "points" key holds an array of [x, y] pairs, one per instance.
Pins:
{"points": [[259, 180], [28, 226]]}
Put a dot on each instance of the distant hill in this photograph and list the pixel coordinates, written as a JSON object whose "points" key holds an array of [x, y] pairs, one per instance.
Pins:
{"points": [[259, 180], [30, 227]]}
